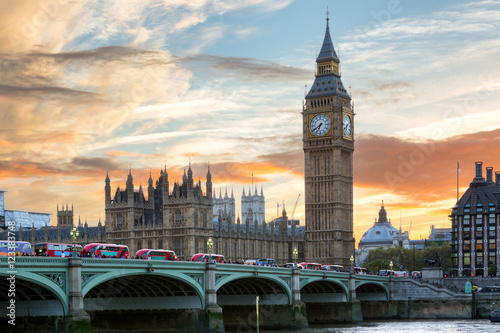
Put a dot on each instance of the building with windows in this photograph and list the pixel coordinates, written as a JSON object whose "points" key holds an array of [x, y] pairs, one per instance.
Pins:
{"points": [[62, 232], [475, 223], [21, 218], [182, 219], [177, 218], [439, 235]]}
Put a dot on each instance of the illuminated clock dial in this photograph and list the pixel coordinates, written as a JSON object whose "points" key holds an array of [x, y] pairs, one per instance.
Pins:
{"points": [[320, 125], [347, 126]]}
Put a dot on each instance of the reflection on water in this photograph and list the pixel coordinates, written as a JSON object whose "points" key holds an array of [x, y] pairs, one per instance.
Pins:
{"points": [[413, 326]]}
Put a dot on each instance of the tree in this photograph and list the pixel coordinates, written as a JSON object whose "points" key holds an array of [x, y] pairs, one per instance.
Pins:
{"points": [[492, 270], [410, 259]]}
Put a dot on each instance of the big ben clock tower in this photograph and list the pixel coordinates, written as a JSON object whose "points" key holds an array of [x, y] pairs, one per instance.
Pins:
{"points": [[328, 141]]}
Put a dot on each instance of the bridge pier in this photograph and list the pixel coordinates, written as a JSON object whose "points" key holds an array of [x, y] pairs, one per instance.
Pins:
{"points": [[298, 307], [213, 312], [78, 320], [355, 304]]}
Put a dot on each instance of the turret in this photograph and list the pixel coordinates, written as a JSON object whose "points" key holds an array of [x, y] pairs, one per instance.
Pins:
{"points": [[209, 183], [107, 189], [151, 190], [190, 181], [130, 188], [165, 185]]}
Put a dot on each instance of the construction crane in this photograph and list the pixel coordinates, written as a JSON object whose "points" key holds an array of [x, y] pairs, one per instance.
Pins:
{"points": [[295, 206]]}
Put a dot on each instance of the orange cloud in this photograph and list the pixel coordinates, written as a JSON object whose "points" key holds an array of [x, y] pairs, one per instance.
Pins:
{"points": [[422, 172], [4, 143], [120, 153]]}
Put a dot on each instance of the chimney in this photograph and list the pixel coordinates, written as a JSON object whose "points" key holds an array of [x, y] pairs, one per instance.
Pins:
{"points": [[497, 177], [489, 175], [479, 171]]}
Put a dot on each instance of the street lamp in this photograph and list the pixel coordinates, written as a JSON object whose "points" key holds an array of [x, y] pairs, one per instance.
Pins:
{"points": [[295, 254], [352, 264], [390, 265], [74, 233], [210, 243]]}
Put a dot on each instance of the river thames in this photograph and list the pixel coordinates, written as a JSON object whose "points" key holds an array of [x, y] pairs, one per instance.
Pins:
{"points": [[413, 326]]}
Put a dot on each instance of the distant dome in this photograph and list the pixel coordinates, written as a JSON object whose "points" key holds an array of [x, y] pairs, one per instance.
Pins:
{"points": [[382, 232]]}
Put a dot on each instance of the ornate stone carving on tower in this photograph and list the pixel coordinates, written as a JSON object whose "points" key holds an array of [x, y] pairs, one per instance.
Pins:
{"points": [[65, 216], [328, 143], [253, 206], [224, 207], [180, 220]]}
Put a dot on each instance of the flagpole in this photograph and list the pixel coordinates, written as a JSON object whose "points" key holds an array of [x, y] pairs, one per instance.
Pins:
{"points": [[458, 169]]}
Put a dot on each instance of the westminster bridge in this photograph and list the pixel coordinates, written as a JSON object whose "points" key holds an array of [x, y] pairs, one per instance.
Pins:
{"points": [[189, 296]]}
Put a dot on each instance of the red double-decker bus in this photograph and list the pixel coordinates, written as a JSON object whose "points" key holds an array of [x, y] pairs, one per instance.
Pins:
{"points": [[156, 255], [203, 257], [105, 251], [56, 249]]}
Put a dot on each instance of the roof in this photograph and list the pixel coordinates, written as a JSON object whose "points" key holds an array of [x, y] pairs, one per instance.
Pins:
{"points": [[329, 84], [382, 232], [327, 51]]}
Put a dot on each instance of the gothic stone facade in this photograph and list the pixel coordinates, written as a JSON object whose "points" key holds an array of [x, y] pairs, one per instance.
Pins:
{"points": [[61, 232], [182, 220], [255, 240], [328, 143]]}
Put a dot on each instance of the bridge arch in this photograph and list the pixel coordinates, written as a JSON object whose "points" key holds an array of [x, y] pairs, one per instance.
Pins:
{"points": [[319, 289], [39, 302], [149, 290], [371, 291], [241, 289]]}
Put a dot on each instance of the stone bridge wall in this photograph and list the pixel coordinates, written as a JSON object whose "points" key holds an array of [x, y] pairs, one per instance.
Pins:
{"points": [[403, 289]]}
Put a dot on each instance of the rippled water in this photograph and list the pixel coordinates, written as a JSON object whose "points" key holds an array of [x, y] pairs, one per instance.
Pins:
{"points": [[413, 326]]}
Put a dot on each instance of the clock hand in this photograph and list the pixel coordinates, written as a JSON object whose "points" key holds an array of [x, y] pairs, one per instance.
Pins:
{"points": [[317, 127]]}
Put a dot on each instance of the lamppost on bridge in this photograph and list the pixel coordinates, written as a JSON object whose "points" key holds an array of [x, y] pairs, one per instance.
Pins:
{"points": [[74, 233], [352, 264], [295, 254], [390, 265], [210, 243]]}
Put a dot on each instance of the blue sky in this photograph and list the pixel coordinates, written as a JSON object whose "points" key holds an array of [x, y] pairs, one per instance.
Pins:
{"points": [[93, 87]]}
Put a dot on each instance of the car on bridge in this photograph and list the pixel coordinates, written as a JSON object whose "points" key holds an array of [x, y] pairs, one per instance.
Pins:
{"points": [[156, 255], [203, 257]]}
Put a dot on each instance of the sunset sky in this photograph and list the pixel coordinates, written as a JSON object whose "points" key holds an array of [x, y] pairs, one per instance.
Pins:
{"points": [[89, 87]]}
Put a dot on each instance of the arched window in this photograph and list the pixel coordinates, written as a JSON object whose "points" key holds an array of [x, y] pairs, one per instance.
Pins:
{"points": [[196, 218], [119, 222], [249, 218], [178, 217]]}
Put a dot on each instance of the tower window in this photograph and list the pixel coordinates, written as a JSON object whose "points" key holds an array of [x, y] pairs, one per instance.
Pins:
{"points": [[178, 217]]}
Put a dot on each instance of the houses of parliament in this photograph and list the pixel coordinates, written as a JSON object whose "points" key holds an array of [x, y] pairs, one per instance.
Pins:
{"points": [[182, 216]]}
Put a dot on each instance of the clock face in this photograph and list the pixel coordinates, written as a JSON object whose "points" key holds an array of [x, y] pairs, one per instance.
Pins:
{"points": [[320, 125], [347, 125]]}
